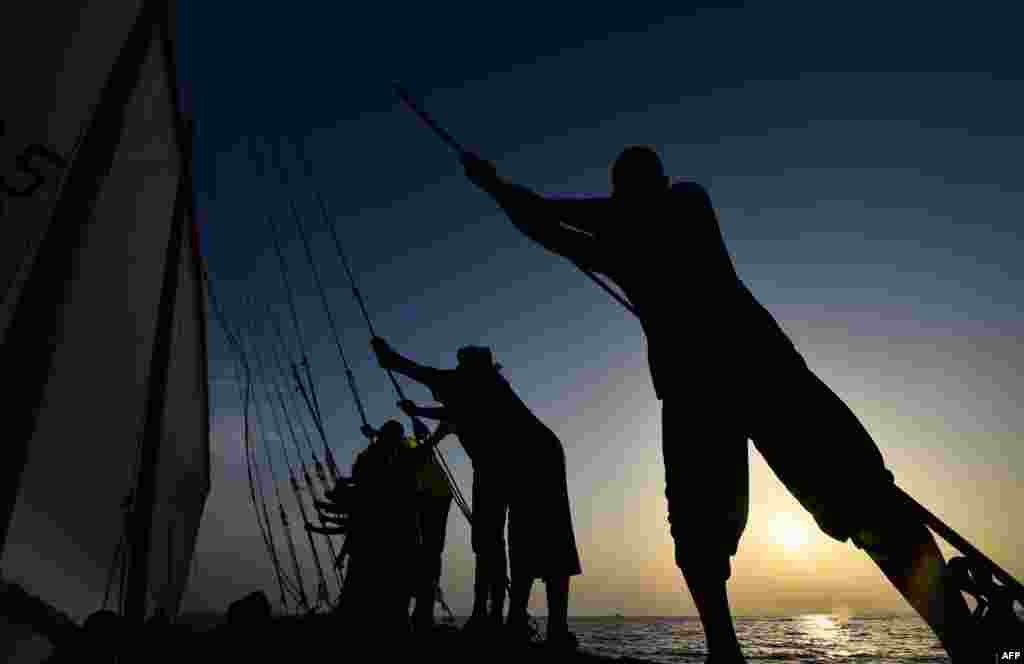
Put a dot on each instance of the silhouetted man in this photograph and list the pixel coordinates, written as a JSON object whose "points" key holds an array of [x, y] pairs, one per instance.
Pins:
{"points": [[383, 521], [714, 350], [490, 495], [433, 504], [501, 434]]}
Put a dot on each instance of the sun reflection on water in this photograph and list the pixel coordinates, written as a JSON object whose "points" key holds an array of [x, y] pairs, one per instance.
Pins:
{"points": [[828, 632]]}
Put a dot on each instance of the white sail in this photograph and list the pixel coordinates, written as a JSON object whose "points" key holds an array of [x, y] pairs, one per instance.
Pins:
{"points": [[183, 467], [54, 60], [84, 447]]}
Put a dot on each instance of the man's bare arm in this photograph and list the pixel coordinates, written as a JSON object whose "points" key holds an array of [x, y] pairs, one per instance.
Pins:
{"points": [[390, 359], [542, 219], [432, 413]]}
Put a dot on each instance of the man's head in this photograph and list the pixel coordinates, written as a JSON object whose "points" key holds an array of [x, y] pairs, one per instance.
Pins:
{"points": [[103, 623], [637, 173], [475, 358], [392, 431]]}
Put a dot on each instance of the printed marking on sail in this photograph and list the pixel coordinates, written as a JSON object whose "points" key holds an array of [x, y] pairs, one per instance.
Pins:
{"points": [[31, 166]]}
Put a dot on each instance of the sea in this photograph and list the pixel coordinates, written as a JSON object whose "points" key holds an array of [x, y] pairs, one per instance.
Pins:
{"points": [[798, 639]]}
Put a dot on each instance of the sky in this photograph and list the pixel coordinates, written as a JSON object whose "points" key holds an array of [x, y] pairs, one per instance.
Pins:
{"points": [[863, 160]]}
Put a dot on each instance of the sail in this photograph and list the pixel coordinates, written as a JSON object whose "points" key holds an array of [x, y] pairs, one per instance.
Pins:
{"points": [[102, 321], [53, 69]]}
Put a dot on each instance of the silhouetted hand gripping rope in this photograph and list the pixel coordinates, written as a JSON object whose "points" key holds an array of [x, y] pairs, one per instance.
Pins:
{"points": [[476, 167]]}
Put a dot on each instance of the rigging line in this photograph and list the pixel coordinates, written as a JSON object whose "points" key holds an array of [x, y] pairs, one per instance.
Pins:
{"points": [[325, 216], [288, 418], [304, 158], [255, 485], [295, 322], [309, 440], [304, 360], [460, 499], [257, 495], [267, 533], [256, 489], [320, 289], [278, 351], [291, 477], [438, 457], [313, 410], [296, 587], [267, 382], [259, 158], [300, 583], [608, 289], [311, 407], [115, 566], [289, 291], [331, 227], [276, 355], [447, 138], [316, 400], [283, 581], [275, 232], [417, 424], [301, 388]]}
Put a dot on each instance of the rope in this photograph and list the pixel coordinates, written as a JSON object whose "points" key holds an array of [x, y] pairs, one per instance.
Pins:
{"points": [[460, 499], [323, 297], [304, 361], [309, 441], [117, 563], [279, 352], [267, 382], [303, 598], [255, 486], [438, 457]]}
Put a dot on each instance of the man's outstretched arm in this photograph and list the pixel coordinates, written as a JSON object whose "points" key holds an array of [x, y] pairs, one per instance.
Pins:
{"points": [[585, 214], [425, 452], [412, 410], [390, 359], [540, 219]]}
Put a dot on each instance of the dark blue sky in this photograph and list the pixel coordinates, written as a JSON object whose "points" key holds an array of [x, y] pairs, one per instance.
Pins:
{"points": [[864, 160]]}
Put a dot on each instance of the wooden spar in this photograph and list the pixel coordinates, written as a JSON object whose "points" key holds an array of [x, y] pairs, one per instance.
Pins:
{"points": [[962, 545], [404, 95]]}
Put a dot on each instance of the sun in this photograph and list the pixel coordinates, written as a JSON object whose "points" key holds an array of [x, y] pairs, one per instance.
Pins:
{"points": [[788, 532]]}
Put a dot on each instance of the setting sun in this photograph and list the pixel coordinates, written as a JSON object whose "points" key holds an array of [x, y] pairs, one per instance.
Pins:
{"points": [[788, 532]]}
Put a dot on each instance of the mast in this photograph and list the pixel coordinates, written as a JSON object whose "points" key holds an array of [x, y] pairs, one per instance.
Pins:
{"points": [[142, 517]]}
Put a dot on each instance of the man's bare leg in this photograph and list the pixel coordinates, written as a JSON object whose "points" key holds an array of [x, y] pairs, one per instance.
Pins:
{"points": [[518, 618], [558, 606], [713, 606], [916, 567]]}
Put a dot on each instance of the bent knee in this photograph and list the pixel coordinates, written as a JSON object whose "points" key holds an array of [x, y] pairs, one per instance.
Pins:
{"points": [[703, 566], [705, 558], [489, 546]]}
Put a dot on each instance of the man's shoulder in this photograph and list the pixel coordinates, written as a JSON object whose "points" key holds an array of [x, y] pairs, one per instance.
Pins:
{"points": [[692, 194], [688, 187], [444, 380]]}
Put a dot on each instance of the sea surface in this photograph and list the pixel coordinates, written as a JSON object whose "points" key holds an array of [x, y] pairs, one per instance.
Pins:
{"points": [[803, 639], [798, 639]]}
